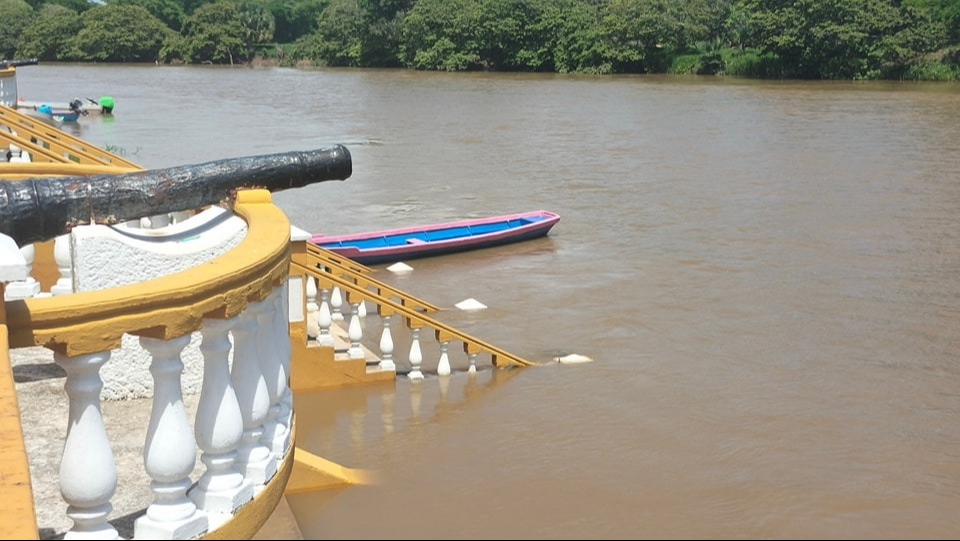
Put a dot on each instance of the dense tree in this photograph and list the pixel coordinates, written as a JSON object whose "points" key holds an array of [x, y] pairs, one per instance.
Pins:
{"points": [[213, 33], [442, 35], [169, 11], [337, 39], [842, 39], [258, 25], [17, 15], [120, 34], [294, 18], [383, 31], [50, 36]]}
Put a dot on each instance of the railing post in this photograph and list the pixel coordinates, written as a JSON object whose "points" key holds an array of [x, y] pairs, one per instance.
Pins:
{"points": [[355, 330], [324, 317], [256, 461], [416, 356], [284, 350], [64, 261], [169, 453], [219, 426], [386, 340], [313, 309], [471, 352], [274, 431], [336, 304], [443, 365], [29, 286], [88, 474]]}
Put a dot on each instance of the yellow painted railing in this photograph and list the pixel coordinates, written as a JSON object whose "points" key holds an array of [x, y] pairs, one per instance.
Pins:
{"points": [[49, 144], [319, 263]]}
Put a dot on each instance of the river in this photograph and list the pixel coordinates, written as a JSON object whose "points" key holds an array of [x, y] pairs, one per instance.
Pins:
{"points": [[765, 273]]}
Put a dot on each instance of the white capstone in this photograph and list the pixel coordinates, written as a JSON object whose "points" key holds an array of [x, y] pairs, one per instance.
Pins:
{"points": [[400, 267], [573, 358], [470, 304]]}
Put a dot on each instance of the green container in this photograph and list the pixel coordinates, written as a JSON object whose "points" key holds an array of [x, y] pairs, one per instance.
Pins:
{"points": [[107, 103]]}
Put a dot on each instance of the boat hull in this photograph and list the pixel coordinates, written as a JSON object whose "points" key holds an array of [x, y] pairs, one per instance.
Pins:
{"points": [[392, 245]]}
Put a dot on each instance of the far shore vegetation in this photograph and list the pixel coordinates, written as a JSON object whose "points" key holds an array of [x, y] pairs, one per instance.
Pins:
{"points": [[795, 39]]}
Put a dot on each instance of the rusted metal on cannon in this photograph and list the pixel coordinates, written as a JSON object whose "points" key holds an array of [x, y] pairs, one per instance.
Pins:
{"points": [[41, 208]]}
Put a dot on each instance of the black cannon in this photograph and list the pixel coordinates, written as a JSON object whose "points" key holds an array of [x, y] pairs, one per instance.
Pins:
{"points": [[41, 208], [18, 63]]}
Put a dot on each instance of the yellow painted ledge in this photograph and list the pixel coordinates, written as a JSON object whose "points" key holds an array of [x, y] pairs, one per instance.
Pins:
{"points": [[16, 495], [312, 473]]}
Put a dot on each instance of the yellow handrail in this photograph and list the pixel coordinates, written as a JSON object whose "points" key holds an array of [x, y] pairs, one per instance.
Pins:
{"points": [[334, 261], [415, 318], [67, 147]]}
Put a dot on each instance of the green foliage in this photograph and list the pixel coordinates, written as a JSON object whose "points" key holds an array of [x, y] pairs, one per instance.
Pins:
{"points": [[213, 33], [169, 11], [752, 63], [337, 39], [258, 25], [944, 11], [119, 34], [17, 15], [50, 36], [842, 39], [294, 18], [441, 35]]}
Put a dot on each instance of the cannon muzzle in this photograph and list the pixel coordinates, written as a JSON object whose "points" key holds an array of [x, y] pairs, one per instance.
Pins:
{"points": [[41, 208]]}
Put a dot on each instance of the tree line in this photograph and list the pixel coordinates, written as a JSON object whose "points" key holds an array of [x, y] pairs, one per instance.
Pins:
{"points": [[809, 39]]}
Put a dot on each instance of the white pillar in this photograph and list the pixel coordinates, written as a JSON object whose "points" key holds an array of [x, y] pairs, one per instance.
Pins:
{"points": [[256, 461], [386, 346], [284, 351], [336, 304], [355, 332], [64, 259], [473, 362], [416, 357], [88, 474], [219, 426], [29, 286], [313, 309], [169, 452], [274, 431], [443, 366], [324, 319]]}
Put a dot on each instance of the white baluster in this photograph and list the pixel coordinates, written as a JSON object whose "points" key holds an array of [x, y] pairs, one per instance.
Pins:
{"points": [[313, 309], [362, 309], [284, 351], [324, 319], [274, 431], [160, 220], [473, 362], [219, 426], [29, 287], [253, 458], [386, 346], [443, 366], [169, 453], [355, 332], [336, 304], [416, 357], [64, 260], [88, 474]]}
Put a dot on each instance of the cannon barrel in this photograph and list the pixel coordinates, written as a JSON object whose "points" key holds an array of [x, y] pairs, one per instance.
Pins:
{"points": [[41, 208]]}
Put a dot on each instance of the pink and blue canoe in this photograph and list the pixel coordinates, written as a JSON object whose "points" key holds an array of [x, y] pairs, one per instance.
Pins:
{"points": [[391, 245]]}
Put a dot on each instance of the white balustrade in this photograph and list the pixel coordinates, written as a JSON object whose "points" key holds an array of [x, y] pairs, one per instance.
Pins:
{"points": [[29, 286], [386, 345], [313, 309], [443, 365], [88, 474], [256, 460], [336, 304], [324, 319], [416, 356], [284, 351], [472, 356], [355, 332], [222, 488], [64, 260], [275, 433], [169, 453]]}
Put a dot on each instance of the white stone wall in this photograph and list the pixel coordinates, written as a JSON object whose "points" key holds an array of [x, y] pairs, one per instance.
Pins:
{"points": [[106, 257]]}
